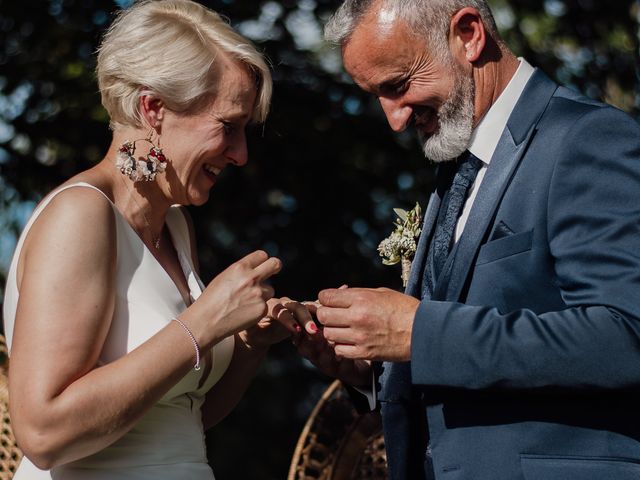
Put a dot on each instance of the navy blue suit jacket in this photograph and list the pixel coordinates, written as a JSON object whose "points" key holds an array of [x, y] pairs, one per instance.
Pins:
{"points": [[526, 360]]}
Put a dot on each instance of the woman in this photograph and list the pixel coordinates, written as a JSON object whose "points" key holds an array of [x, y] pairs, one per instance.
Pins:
{"points": [[120, 358]]}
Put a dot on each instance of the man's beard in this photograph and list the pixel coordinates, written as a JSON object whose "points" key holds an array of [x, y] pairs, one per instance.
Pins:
{"points": [[455, 123]]}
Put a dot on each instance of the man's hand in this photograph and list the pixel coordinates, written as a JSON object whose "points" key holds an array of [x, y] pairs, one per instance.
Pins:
{"points": [[297, 317], [369, 324]]}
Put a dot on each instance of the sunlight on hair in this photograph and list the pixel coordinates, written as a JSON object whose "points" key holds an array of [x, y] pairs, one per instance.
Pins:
{"points": [[386, 19]]}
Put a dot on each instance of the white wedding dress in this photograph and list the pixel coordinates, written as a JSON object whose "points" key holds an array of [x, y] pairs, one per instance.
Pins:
{"points": [[168, 442]]}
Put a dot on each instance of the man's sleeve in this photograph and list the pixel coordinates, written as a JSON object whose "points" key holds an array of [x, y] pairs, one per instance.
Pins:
{"points": [[593, 234]]}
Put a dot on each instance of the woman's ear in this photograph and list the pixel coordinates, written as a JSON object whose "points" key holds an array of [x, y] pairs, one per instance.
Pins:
{"points": [[467, 36], [152, 110]]}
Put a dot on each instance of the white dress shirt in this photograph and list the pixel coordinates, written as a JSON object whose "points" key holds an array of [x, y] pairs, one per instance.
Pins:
{"points": [[486, 135]]}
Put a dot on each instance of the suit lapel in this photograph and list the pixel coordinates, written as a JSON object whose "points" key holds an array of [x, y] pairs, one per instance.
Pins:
{"points": [[510, 150], [414, 284], [503, 164], [395, 378]]}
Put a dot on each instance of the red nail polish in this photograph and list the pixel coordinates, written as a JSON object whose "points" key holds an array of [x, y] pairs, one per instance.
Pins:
{"points": [[312, 327], [297, 328]]}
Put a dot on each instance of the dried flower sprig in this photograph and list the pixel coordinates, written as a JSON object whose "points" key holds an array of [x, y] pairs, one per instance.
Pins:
{"points": [[400, 246]]}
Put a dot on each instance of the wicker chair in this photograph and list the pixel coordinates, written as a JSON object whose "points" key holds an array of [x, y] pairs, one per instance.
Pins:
{"points": [[339, 444], [10, 454]]}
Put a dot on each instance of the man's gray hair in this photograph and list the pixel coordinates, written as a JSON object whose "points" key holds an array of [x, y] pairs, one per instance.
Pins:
{"points": [[429, 19]]}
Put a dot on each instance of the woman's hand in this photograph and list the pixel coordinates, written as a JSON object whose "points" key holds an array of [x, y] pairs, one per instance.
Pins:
{"points": [[235, 300], [272, 328], [307, 336], [265, 333]]}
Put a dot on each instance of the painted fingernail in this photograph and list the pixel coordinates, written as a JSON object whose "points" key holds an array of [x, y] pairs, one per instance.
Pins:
{"points": [[312, 326], [297, 328]]}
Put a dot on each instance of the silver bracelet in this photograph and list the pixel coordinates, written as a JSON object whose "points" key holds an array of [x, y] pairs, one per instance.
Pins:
{"points": [[196, 367]]}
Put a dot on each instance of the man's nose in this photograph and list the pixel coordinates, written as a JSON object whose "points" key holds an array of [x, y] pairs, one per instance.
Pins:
{"points": [[398, 115]]}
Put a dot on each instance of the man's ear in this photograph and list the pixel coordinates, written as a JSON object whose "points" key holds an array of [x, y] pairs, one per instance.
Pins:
{"points": [[467, 36], [152, 110]]}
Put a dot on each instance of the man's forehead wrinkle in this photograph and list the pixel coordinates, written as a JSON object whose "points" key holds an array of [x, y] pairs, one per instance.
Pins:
{"points": [[360, 73], [364, 71], [372, 69]]}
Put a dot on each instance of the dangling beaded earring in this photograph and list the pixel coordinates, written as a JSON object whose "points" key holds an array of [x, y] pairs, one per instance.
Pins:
{"points": [[141, 169]]}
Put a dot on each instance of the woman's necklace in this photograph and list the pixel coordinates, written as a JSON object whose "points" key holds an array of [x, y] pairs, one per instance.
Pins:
{"points": [[155, 240]]}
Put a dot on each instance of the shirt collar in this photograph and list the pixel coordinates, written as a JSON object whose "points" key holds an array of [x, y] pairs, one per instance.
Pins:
{"points": [[487, 133]]}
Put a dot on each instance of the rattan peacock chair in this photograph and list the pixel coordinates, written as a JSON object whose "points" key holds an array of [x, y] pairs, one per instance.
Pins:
{"points": [[337, 443], [10, 454]]}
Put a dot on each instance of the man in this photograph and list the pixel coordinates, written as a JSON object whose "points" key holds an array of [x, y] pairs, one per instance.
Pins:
{"points": [[515, 352]]}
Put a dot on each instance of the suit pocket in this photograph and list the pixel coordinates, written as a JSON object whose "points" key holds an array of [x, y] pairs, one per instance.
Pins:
{"points": [[505, 247], [546, 467]]}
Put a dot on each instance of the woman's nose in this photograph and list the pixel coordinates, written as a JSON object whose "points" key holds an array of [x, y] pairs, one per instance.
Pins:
{"points": [[237, 153]]}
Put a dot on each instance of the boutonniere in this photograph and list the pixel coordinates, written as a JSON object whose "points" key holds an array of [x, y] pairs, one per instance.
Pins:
{"points": [[400, 246]]}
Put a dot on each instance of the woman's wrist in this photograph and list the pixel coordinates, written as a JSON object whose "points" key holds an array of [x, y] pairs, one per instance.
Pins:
{"points": [[204, 332], [195, 343]]}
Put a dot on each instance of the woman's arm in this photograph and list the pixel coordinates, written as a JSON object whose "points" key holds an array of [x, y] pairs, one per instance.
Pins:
{"points": [[228, 391], [63, 407], [250, 348]]}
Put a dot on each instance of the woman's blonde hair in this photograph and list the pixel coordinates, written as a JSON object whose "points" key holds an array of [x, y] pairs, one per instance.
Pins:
{"points": [[168, 48]]}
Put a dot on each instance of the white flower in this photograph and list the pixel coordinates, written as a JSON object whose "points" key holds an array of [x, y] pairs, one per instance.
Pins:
{"points": [[401, 244], [142, 167], [138, 170], [124, 162]]}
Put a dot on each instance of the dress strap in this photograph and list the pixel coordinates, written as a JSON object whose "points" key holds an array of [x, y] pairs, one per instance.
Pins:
{"points": [[47, 199], [180, 233], [78, 184]]}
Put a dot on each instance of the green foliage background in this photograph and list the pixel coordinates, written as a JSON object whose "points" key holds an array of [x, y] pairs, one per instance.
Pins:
{"points": [[325, 171]]}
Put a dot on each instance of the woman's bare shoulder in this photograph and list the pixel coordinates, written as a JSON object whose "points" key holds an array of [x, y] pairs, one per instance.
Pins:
{"points": [[76, 223], [79, 208]]}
